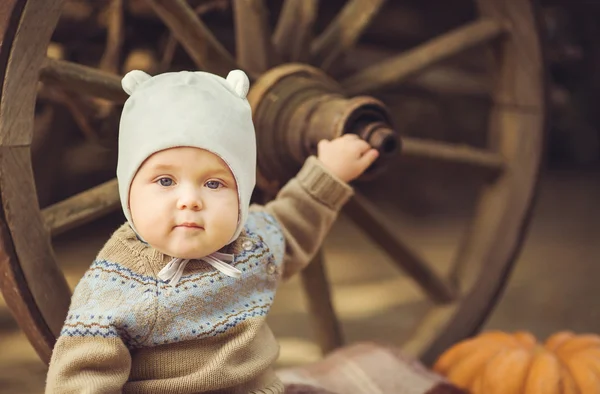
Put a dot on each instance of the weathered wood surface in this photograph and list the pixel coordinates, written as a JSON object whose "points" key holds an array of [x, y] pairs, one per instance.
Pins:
{"points": [[37, 288], [294, 30], [33, 252], [323, 317], [254, 48], [395, 70], [82, 208], [372, 222], [517, 130], [205, 50], [343, 32], [83, 79]]}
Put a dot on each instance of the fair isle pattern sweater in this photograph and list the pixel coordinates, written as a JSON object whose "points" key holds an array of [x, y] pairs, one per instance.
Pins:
{"points": [[128, 331]]}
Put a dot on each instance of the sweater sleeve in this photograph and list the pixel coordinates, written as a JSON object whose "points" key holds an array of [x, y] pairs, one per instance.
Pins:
{"points": [[305, 208], [91, 354], [88, 364]]}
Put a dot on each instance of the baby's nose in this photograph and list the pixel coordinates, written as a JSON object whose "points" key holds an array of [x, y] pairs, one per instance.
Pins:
{"points": [[190, 200]]}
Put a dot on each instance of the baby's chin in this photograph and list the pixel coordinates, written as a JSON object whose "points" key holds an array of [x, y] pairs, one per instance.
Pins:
{"points": [[189, 251]]}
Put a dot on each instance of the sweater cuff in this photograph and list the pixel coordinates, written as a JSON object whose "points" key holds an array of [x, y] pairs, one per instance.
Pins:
{"points": [[322, 185]]}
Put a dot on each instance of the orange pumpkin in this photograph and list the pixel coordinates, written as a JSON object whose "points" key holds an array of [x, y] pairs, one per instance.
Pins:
{"points": [[497, 362]]}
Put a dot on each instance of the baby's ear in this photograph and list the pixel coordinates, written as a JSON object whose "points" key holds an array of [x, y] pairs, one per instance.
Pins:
{"points": [[238, 81], [133, 79]]}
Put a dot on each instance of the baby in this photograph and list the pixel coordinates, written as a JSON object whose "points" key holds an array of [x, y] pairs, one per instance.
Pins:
{"points": [[176, 300]]}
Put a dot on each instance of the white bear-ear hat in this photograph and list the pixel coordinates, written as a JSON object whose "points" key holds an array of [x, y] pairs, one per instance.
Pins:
{"points": [[186, 108]]}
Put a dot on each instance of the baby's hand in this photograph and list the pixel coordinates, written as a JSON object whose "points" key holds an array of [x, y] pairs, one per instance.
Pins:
{"points": [[347, 157]]}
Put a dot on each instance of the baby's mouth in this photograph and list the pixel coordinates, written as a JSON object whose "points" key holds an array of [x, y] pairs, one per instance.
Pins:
{"points": [[190, 225]]}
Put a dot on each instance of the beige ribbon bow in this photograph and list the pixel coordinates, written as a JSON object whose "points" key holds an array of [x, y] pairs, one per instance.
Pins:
{"points": [[173, 271]]}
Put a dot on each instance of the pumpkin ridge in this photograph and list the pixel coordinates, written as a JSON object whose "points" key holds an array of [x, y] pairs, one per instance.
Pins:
{"points": [[463, 374], [525, 339], [586, 383], [578, 342], [452, 355], [555, 340], [516, 363], [497, 336], [592, 361], [507, 370], [477, 386], [567, 383], [543, 376], [594, 353]]}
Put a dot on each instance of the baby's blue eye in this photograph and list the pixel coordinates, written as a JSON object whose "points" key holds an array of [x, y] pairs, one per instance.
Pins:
{"points": [[165, 181], [213, 184]]}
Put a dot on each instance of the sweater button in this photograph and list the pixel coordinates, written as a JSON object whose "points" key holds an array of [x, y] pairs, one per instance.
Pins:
{"points": [[271, 268], [247, 245]]}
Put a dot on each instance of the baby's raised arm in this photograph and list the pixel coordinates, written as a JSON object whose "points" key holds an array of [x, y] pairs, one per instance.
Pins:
{"points": [[306, 207]]}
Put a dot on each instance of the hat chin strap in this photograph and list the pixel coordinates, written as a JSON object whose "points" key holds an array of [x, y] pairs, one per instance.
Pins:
{"points": [[173, 271]]}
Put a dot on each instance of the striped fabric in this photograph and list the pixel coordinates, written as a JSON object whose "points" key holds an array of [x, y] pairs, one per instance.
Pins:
{"points": [[365, 368]]}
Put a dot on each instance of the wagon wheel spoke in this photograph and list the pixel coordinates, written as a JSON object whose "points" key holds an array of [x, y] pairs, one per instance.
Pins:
{"points": [[452, 82], [77, 107], [316, 286], [83, 79], [202, 46], [254, 49], [489, 161], [82, 208], [343, 32], [398, 68], [371, 221], [114, 39], [294, 31]]}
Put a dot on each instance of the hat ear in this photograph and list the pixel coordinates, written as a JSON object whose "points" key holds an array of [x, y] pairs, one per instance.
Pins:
{"points": [[133, 79], [238, 81]]}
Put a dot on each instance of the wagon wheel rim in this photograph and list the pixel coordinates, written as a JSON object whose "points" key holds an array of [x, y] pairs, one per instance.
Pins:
{"points": [[517, 125]]}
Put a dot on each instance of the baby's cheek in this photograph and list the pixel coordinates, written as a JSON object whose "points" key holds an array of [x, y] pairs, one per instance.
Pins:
{"points": [[228, 213], [149, 218]]}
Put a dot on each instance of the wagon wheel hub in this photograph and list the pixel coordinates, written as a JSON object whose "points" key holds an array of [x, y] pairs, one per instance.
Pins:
{"points": [[297, 105]]}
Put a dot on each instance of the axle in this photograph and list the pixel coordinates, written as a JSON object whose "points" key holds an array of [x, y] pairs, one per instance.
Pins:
{"points": [[295, 106]]}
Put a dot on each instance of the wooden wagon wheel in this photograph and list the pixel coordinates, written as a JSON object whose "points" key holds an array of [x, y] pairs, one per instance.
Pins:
{"points": [[36, 290]]}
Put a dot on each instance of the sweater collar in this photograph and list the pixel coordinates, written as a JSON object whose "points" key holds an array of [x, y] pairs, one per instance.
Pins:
{"points": [[169, 268]]}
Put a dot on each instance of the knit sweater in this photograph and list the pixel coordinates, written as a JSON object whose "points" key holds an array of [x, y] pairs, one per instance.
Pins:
{"points": [[129, 331]]}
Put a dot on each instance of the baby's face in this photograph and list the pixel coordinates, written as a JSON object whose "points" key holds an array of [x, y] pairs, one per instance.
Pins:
{"points": [[184, 202]]}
